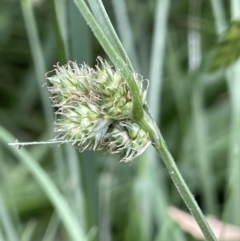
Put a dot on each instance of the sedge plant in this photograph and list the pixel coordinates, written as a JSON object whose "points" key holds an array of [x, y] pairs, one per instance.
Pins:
{"points": [[105, 107]]}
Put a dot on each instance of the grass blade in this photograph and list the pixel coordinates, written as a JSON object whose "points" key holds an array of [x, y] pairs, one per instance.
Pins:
{"points": [[60, 42], [125, 32], [115, 58], [232, 207], [40, 68], [10, 231], [80, 41], [157, 57], [65, 213], [199, 120], [220, 21], [105, 24], [29, 231], [203, 162], [149, 190]]}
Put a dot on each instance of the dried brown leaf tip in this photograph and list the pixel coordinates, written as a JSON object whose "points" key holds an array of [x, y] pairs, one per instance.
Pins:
{"points": [[94, 109], [223, 231]]}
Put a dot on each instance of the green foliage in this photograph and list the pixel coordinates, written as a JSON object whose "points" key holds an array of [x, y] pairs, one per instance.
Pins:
{"points": [[46, 192], [227, 50]]}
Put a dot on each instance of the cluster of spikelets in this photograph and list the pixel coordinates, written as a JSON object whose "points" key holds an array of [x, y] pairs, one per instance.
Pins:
{"points": [[94, 109]]}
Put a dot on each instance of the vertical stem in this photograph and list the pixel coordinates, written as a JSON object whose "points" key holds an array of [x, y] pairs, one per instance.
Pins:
{"points": [[202, 156], [60, 204], [148, 125], [125, 32], [40, 69], [114, 57], [60, 43], [103, 20], [233, 72], [198, 113], [232, 207], [157, 56]]}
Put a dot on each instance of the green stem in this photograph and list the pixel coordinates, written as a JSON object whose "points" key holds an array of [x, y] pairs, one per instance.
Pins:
{"points": [[58, 201], [149, 125], [114, 56], [143, 118], [103, 20], [60, 44]]}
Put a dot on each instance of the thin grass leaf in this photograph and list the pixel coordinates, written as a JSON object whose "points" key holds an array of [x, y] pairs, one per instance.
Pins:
{"points": [[219, 15], [61, 8], [70, 222], [227, 50], [170, 232], [51, 230], [235, 8], [203, 162], [86, 197], [80, 38], [75, 195], [233, 198], [1, 234], [90, 178], [73, 192], [114, 56], [157, 57], [105, 207], [233, 201], [134, 226], [19, 172], [150, 171], [38, 58], [178, 82], [125, 32], [8, 227], [198, 113], [28, 92], [29, 231], [60, 42], [104, 22], [147, 189], [232, 207], [7, 193], [40, 68]]}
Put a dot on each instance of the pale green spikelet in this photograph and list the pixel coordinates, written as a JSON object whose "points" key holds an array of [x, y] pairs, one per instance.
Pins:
{"points": [[82, 123], [94, 109], [111, 92], [126, 137]]}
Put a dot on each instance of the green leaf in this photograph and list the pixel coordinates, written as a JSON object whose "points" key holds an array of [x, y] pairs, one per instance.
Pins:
{"points": [[114, 57], [227, 50], [64, 211]]}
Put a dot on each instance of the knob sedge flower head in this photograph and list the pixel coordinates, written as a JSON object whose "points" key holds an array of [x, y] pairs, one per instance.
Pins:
{"points": [[126, 137], [94, 109]]}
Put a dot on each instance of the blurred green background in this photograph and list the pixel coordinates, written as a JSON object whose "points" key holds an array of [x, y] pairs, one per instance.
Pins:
{"points": [[55, 193]]}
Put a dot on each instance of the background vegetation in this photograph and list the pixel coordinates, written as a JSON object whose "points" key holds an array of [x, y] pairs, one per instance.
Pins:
{"points": [[55, 193]]}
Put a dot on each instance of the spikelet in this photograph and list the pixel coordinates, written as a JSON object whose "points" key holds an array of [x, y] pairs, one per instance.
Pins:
{"points": [[94, 109]]}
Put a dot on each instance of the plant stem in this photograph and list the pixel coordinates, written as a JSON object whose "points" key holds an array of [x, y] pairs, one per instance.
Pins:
{"points": [[65, 212], [148, 124], [103, 20], [144, 119], [114, 57]]}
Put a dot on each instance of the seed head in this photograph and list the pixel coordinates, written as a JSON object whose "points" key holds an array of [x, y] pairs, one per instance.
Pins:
{"points": [[94, 109], [127, 138]]}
